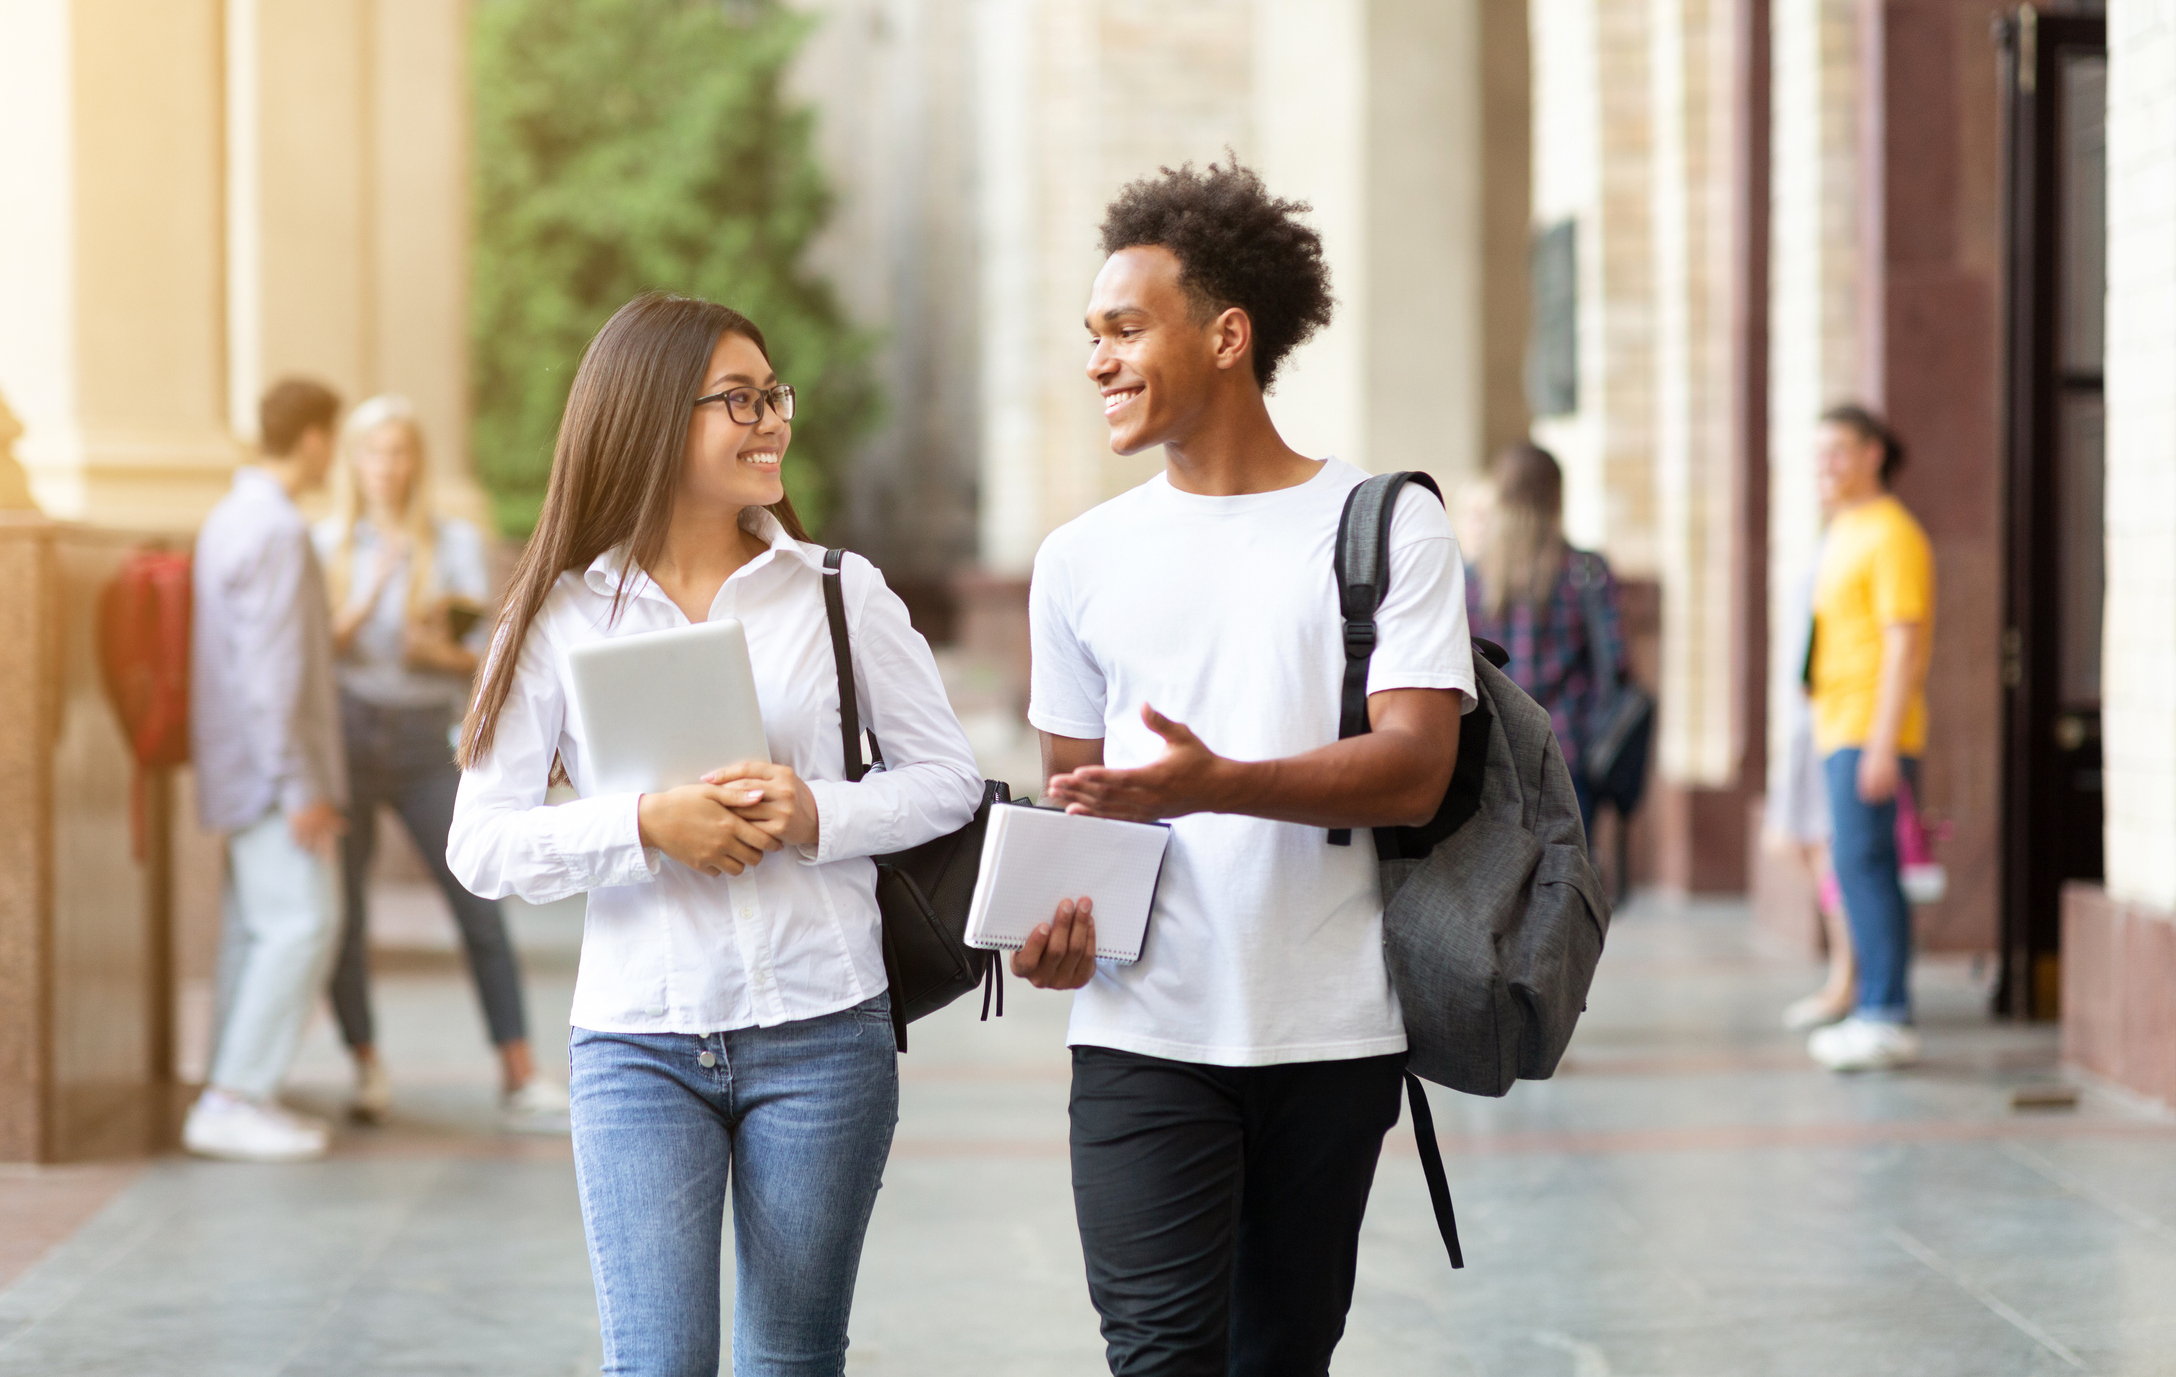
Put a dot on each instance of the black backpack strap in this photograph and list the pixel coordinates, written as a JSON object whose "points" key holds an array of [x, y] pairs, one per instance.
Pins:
{"points": [[1363, 577], [842, 659], [1431, 1166]]}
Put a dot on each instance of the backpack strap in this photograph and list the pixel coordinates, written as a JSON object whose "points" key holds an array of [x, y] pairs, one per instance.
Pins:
{"points": [[842, 659], [1431, 1166], [1363, 577]]}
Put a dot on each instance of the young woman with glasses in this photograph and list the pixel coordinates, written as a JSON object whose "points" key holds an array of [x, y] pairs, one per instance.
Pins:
{"points": [[731, 1022]]}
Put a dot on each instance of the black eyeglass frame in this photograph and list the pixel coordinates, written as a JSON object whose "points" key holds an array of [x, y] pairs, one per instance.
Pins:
{"points": [[779, 399]]}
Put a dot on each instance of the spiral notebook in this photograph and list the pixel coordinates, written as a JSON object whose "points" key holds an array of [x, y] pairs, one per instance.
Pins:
{"points": [[1034, 857]]}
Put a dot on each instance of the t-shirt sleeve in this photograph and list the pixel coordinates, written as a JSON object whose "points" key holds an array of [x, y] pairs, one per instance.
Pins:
{"points": [[1422, 636], [1066, 691], [1903, 575]]}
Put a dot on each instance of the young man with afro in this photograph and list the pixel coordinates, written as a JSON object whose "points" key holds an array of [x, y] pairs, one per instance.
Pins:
{"points": [[1231, 1089]]}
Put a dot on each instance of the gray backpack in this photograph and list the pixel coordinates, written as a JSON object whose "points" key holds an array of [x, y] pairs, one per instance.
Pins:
{"points": [[1493, 918]]}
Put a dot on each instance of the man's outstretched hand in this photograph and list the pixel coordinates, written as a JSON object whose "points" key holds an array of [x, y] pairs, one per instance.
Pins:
{"points": [[1060, 954], [1187, 778]]}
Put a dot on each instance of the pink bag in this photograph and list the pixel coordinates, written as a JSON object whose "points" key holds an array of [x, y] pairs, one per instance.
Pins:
{"points": [[1925, 879]]}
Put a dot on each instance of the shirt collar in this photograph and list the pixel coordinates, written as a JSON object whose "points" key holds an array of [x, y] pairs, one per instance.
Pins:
{"points": [[607, 570], [250, 476]]}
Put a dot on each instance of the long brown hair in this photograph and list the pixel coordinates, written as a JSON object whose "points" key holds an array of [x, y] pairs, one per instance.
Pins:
{"points": [[1525, 548], [615, 469]]}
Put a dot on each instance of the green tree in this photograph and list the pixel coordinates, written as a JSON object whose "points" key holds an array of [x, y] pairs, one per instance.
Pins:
{"points": [[624, 145]]}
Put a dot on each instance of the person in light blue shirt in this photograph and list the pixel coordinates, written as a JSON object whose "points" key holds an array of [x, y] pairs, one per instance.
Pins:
{"points": [[408, 589], [264, 737]]}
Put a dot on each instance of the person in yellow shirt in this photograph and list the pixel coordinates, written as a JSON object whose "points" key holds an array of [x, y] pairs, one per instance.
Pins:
{"points": [[1873, 622]]}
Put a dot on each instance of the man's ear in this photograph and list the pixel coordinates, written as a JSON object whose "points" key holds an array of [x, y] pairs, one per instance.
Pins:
{"points": [[1232, 333]]}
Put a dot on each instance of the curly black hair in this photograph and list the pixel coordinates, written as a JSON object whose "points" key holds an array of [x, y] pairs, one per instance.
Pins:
{"points": [[1237, 245]]}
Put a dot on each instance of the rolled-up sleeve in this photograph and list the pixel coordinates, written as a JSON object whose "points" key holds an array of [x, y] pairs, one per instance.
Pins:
{"points": [[930, 785], [505, 839]]}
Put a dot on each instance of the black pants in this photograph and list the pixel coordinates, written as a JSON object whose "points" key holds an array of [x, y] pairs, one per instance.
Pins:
{"points": [[1220, 1206], [400, 756]]}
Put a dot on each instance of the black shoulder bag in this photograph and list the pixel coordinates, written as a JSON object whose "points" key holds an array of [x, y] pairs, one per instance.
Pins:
{"points": [[923, 891]]}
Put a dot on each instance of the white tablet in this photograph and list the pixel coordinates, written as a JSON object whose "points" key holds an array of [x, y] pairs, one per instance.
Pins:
{"points": [[664, 708]]}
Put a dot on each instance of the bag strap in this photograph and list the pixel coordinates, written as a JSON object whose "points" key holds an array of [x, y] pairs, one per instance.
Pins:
{"points": [[1431, 1166], [1595, 615], [1363, 577], [842, 659]]}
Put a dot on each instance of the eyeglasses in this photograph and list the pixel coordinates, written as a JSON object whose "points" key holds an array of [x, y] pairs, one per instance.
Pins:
{"points": [[745, 404]]}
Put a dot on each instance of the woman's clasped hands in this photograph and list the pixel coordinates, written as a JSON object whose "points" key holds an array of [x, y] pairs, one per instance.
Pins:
{"points": [[726, 821]]}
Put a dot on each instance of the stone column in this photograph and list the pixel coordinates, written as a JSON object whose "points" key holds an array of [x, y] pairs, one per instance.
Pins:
{"points": [[347, 219], [1931, 255], [112, 332], [208, 194], [1816, 322], [1592, 146], [1700, 810], [2119, 940]]}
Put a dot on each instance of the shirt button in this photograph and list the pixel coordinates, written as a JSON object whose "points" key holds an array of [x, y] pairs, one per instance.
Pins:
{"points": [[708, 1059], [747, 912]]}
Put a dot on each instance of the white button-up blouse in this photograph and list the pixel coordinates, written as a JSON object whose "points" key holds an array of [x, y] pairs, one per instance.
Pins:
{"points": [[667, 949]]}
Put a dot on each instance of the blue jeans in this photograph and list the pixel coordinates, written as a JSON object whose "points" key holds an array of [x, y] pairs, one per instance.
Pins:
{"points": [[799, 1118], [1863, 852]]}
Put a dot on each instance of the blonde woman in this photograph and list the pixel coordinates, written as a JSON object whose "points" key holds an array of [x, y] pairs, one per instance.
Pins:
{"points": [[407, 591]]}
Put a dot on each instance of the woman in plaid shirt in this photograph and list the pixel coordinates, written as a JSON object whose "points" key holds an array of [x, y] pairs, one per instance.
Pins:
{"points": [[1527, 591]]}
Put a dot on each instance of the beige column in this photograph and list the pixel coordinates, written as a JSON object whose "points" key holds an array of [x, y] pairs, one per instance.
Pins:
{"points": [[419, 220], [1816, 319], [112, 348], [1447, 186], [347, 199], [1593, 157], [1695, 469], [207, 194]]}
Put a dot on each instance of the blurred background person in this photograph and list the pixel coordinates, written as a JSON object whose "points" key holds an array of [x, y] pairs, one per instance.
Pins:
{"points": [[408, 588], [1527, 591], [1873, 617], [1797, 820], [264, 733]]}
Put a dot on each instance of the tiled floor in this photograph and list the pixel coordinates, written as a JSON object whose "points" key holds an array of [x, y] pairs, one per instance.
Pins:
{"points": [[1688, 1197]]}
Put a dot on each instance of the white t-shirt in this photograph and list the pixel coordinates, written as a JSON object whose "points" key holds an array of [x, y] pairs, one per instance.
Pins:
{"points": [[1265, 943]]}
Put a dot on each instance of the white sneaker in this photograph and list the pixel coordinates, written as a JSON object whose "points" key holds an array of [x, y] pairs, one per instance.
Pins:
{"points": [[222, 1125], [373, 1094], [1858, 1044], [538, 1107]]}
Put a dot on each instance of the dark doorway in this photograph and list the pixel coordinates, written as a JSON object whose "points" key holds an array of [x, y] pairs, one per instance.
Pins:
{"points": [[2054, 80]]}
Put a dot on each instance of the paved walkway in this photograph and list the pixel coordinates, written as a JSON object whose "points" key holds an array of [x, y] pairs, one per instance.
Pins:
{"points": [[1688, 1197]]}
